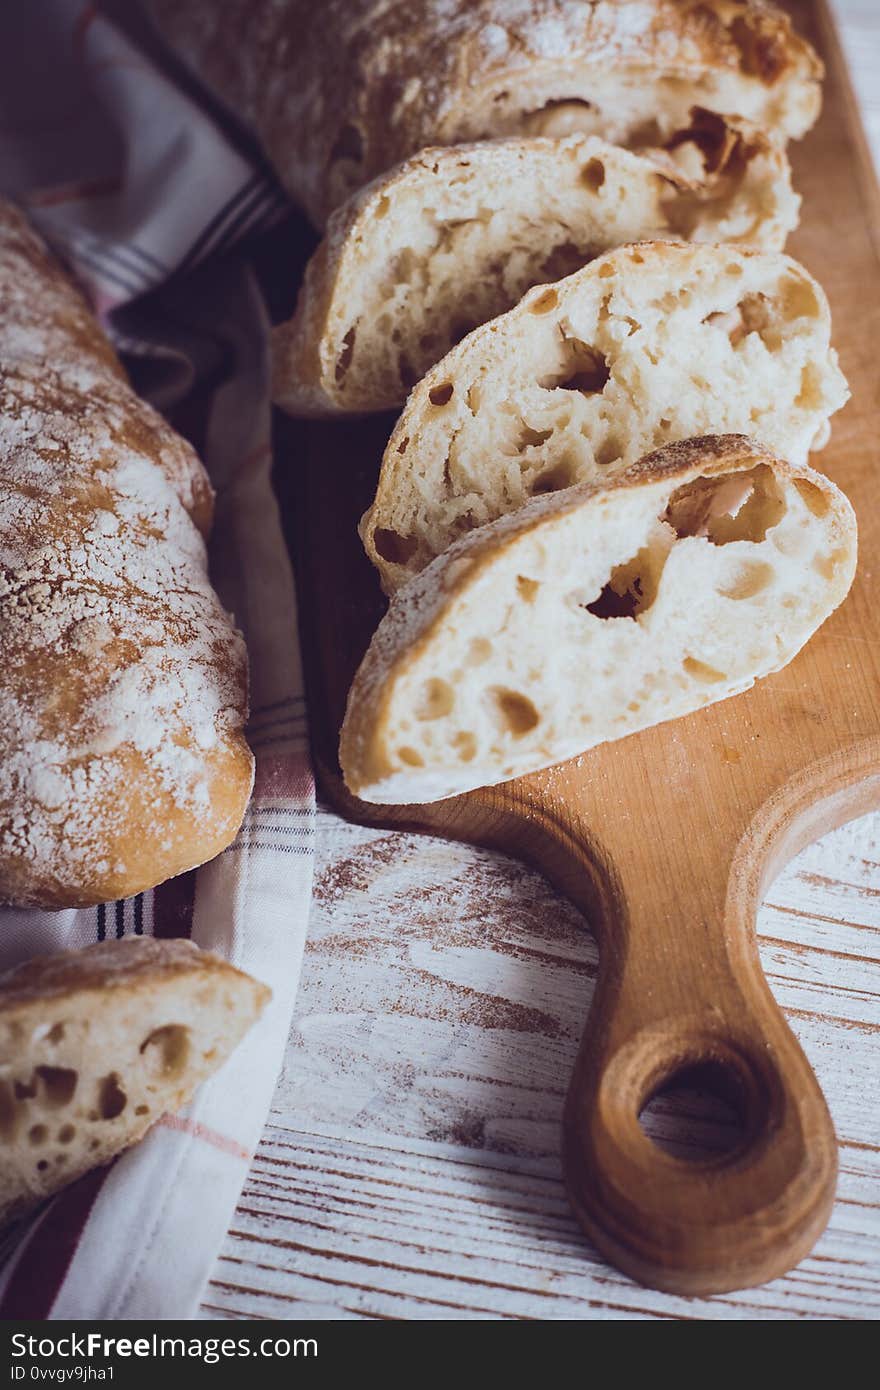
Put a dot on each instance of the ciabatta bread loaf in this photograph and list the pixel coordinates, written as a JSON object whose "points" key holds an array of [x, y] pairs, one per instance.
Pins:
{"points": [[456, 235], [594, 613], [122, 678], [343, 90], [646, 345], [96, 1045]]}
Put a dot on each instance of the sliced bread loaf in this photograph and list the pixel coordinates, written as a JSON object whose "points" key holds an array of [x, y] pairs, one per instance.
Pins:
{"points": [[456, 235], [341, 91], [98, 1044], [644, 346], [592, 614]]}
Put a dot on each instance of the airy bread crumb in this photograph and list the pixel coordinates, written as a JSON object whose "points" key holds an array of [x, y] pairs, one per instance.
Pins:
{"points": [[97, 1044], [646, 345], [455, 236], [586, 616]]}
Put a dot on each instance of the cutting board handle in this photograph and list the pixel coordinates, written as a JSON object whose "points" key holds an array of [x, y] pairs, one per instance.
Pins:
{"points": [[680, 987]]}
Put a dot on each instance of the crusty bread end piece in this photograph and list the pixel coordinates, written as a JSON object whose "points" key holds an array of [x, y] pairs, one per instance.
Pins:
{"points": [[457, 235], [97, 1044], [592, 614], [646, 345]]}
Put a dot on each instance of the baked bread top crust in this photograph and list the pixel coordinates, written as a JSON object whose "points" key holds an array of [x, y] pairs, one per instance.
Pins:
{"points": [[341, 91]]}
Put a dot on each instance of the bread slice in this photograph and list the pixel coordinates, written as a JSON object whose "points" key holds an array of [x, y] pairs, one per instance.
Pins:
{"points": [[341, 91], [589, 615], [97, 1044], [646, 345], [455, 236]]}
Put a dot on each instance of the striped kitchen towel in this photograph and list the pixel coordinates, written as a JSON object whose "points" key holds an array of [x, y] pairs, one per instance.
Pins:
{"points": [[133, 183]]}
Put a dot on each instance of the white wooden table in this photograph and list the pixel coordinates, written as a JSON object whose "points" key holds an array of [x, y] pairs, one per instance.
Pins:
{"points": [[410, 1167]]}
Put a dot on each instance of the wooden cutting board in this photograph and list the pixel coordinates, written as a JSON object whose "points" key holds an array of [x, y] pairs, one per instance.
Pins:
{"points": [[669, 839]]}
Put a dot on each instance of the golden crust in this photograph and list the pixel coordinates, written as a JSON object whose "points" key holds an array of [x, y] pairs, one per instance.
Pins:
{"points": [[123, 964], [124, 688], [342, 91]]}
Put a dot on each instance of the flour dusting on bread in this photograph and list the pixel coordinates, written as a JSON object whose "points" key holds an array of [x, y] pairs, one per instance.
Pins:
{"points": [[122, 697]]}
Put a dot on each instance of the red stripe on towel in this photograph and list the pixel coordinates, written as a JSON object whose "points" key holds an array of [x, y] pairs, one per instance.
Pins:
{"points": [[209, 1136]]}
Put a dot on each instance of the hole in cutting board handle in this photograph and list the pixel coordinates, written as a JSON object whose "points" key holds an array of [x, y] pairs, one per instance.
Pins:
{"points": [[697, 1113], [698, 1096]]}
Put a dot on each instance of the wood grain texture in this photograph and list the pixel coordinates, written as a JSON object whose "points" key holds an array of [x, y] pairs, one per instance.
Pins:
{"points": [[792, 699]]}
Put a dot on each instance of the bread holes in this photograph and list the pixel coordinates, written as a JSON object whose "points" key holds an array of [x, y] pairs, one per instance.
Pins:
{"points": [[441, 395], [584, 369], [712, 136], [812, 496], [544, 304], [410, 757], [632, 586], [729, 507], [25, 1090], [531, 439], [826, 565], [701, 671], [729, 321], [746, 581], [557, 117], [479, 651], [514, 712], [343, 361], [393, 547], [608, 452], [810, 395], [58, 1085], [55, 1034], [465, 745], [799, 299], [112, 1100], [593, 175], [37, 1136], [142, 1110], [166, 1051], [67, 1134], [555, 479], [526, 588], [436, 701]]}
